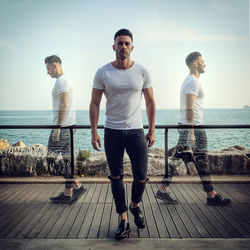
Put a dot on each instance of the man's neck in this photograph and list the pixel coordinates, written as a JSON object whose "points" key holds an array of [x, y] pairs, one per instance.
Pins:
{"points": [[195, 73], [123, 64], [59, 74]]}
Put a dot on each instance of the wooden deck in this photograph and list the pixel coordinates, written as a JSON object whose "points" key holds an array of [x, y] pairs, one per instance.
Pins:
{"points": [[26, 212]]}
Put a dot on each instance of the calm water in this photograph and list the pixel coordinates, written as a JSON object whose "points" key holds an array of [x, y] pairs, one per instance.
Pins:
{"points": [[217, 139]]}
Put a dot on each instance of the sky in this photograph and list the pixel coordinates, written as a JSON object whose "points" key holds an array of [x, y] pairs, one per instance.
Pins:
{"points": [[165, 31]]}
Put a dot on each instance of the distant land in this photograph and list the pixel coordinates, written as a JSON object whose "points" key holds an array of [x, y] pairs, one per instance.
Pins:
{"points": [[246, 107]]}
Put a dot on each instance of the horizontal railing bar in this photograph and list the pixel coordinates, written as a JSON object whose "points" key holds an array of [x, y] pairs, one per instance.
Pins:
{"points": [[246, 126]]}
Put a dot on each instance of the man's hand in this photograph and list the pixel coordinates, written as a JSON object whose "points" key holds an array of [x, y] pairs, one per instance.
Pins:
{"points": [[96, 141], [56, 134], [150, 137]]}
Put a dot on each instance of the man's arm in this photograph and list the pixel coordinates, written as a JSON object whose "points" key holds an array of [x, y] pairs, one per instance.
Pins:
{"points": [[150, 107], [64, 105], [62, 112], [94, 109], [190, 101]]}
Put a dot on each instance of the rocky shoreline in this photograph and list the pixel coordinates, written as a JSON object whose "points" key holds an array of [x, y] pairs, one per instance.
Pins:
{"points": [[37, 160]]}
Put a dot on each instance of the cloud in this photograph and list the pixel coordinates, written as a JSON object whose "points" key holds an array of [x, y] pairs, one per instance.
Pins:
{"points": [[158, 30], [7, 44]]}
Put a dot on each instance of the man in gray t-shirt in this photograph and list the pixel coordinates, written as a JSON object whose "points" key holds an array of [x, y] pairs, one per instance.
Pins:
{"points": [[123, 82]]}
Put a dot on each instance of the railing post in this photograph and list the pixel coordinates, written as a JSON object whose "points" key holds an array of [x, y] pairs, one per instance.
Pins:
{"points": [[166, 152], [72, 162]]}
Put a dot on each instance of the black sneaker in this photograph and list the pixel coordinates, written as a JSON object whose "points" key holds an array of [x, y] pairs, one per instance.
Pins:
{"points": [[77, 193], [218, 200], [122, 230], [166, 197], [138, 217], [57, 197], [61, 198]]}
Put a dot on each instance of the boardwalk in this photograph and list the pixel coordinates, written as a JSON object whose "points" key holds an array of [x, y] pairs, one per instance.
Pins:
{"points": [[27, 213]]}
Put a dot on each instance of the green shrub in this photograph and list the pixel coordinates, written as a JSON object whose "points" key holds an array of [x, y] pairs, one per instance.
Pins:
{"points": [[83, 155]]}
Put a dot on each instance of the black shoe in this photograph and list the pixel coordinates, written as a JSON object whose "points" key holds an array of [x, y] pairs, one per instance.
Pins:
{"points": [[57, 197], [61, 198], [138, 217], [77, 193], [122, 230], [218, 200], [165, 197]]}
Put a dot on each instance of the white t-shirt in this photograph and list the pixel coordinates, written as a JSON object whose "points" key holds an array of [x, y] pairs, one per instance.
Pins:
{"points": [[123, 91], [192, 86], [61, 86]]}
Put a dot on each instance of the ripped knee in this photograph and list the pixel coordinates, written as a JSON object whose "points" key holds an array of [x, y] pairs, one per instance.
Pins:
{"points": [[116, 178]]}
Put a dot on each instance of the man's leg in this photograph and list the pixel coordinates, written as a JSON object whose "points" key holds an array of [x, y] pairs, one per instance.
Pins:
{"points": [[163, 193], [201, 162], [114, 149], [73, 188], [136, 148]]}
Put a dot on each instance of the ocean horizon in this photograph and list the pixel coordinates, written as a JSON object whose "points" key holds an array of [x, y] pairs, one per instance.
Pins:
{"points": [[217, 138]]}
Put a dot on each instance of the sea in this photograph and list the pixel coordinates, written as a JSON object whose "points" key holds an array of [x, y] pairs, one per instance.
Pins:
{"points": [[217, 138]]}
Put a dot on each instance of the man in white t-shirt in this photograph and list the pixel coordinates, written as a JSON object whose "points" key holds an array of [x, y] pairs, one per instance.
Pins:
{"points": [[191, 113], [123, 82], [63, 116]]}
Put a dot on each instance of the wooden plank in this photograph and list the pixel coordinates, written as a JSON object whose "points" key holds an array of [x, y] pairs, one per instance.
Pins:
{"points": [[84, 230], [95, 225], [58, 209], [74, 231], [104, 226], [173, 232], [224, 190], [190, 212], [15, 217], [184, 216], [207, 218], [12, 202], [113, 222], [216, 224], [103, 194], [109, 198], [233, 222], [24, 226], [72, 216], [162, 229], [97, 193], [90, 193]]}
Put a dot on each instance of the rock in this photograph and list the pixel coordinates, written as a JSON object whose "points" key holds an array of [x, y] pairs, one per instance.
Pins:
{"points": [[236, 147], [4, 144], [38, 160], [19, 144], [31, 161]]}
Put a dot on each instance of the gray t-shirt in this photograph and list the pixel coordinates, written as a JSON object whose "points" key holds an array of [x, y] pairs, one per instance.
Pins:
{"points": [[192, 86], [61, 86], [123, 91]]}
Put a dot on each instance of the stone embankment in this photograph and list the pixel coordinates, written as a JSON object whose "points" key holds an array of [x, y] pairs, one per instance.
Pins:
{"points": [[36, 160]]}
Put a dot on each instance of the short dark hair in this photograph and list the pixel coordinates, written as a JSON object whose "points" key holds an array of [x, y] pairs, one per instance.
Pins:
{"points": [[123, 32], [192, 57], [52, 59]]}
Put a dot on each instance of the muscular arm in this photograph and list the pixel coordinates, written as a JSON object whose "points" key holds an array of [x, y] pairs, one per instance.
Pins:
{"points": [[94, 109], [64, 105], [150, 107], [190, 101]]}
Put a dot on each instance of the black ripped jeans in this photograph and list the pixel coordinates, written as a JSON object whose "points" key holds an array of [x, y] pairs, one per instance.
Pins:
{"points": [[115, 142]]}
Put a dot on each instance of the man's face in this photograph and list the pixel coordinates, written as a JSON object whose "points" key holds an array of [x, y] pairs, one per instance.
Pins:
{"points": [[123, 47], [200, 65], [51, 69]]}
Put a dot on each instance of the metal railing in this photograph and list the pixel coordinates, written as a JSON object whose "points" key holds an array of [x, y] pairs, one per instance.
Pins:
{"points": [[165, 127]]}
